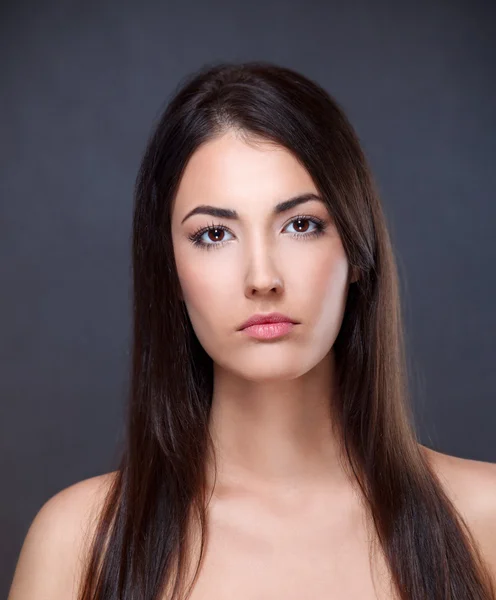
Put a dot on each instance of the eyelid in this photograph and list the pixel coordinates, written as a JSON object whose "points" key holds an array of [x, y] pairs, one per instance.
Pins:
{"points": [[320, 223], [220, 225]]}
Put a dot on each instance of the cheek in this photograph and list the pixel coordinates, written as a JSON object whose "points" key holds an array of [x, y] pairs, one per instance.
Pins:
{"points": [[326, 283], [192, 278], [198, 288], [209, 297]]}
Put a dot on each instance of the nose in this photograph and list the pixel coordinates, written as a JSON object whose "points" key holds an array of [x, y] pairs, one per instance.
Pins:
{"points": [[274, 286], [263, 277]]}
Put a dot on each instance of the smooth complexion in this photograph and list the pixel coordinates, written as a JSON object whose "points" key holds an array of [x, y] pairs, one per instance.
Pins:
{"points": [[270, 414], [282, 503]]}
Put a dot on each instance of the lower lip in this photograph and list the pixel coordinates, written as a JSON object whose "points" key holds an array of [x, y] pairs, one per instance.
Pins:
{"points": [[268, 331]]}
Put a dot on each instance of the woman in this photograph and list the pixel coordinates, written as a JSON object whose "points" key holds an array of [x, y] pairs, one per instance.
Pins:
{"points": [[266, 460]]}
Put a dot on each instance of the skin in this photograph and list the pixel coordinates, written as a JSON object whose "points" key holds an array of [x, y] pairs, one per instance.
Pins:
{"points": [[270, 410], [282, 500]]}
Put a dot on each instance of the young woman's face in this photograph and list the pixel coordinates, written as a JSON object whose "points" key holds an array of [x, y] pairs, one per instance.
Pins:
{"points": [[259, 262]]}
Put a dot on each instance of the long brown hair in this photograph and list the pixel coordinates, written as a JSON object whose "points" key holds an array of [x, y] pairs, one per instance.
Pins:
{"points": [[139, 545]]}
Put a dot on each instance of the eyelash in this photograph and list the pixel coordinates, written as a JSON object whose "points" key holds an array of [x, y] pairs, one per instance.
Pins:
{"points": [[195, 237]]}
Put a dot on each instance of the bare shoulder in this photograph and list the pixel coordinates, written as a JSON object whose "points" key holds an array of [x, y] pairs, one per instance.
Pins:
{"points": [[49, 562], [471, 485]]}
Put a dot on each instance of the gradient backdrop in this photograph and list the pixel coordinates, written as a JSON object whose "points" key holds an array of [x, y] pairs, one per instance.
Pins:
{"points": [[82, 84]]}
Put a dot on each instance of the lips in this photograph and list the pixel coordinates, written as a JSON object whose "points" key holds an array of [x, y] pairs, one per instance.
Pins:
{"points": [[259, 319]]}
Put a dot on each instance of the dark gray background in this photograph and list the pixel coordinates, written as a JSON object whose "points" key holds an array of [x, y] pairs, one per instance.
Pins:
{"points": [[81, 85]]}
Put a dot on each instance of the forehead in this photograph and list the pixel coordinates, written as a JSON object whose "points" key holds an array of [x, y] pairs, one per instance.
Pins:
{"points": [[229, 169]]}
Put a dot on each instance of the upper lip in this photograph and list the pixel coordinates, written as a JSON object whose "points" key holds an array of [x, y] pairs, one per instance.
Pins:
{"points": [[267, 318]]}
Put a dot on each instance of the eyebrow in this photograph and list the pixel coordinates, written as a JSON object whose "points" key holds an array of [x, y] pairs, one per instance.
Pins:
{"points": [[228, 213]]}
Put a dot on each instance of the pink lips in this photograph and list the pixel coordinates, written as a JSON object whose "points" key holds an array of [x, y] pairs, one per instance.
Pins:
{"points": [[268, 326]]}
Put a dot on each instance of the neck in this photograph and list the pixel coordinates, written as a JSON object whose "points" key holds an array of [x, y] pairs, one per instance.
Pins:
{"points": [[277, 435]]}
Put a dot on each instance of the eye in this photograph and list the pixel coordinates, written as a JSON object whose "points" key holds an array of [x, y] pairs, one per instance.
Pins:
{"points": [[216, 232], [319, 225]]}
